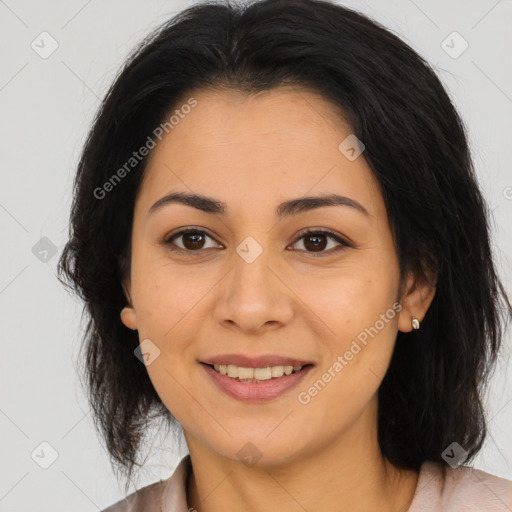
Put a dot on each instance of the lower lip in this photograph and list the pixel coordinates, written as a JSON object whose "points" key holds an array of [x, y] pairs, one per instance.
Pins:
{"points": [[256, 391]]}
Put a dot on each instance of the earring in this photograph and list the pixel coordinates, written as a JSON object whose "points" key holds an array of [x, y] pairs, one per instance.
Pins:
{"points": [[415, 323]]}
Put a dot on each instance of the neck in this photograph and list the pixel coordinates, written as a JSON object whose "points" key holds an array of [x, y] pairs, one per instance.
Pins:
{"points": [[349, 474]]}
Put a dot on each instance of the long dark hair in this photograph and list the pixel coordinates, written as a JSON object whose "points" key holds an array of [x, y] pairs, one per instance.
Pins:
{"points": [[416, 146]]}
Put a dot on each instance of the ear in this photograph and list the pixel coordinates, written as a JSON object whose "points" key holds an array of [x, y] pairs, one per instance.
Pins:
{"points": [[415, 301], [128, 316]]}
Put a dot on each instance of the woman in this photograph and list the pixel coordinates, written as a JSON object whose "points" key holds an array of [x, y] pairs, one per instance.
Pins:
{"points": [[282, 248]]}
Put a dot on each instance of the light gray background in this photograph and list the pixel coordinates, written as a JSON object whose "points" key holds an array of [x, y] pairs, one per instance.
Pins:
{"points": [[46, 108]]}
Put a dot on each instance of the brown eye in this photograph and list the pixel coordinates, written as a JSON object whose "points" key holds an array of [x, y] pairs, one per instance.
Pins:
{"points": [[193, 240], [316, 242]]}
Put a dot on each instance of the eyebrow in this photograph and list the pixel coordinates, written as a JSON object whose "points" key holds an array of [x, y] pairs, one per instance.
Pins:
{"points": [[285, 209]]}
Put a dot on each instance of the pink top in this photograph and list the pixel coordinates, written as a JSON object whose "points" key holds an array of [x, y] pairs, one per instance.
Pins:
{"points": [[465, 490]]}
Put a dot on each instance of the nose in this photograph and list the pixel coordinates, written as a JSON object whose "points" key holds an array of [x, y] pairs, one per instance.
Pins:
{"points": [[254, 296]]}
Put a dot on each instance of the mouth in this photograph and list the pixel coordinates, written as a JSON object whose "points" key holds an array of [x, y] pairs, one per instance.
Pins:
{"points": [[256, 384], [256, 374]]}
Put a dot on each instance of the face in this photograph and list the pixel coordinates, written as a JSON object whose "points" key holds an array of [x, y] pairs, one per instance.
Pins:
{"points": [[248, 287]]}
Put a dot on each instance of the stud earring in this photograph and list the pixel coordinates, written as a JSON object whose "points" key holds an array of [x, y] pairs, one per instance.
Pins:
{"points": [[415, 323]]}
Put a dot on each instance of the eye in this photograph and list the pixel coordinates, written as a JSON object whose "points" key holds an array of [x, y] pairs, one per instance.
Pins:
{"points": [[193, 240], [314, 239]]}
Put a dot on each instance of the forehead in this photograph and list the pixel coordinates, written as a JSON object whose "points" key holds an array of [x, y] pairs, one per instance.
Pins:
{"points": [[273, 145]]}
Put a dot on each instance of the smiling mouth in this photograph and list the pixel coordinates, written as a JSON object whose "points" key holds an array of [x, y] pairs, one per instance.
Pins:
{"points": [[244, 374]]}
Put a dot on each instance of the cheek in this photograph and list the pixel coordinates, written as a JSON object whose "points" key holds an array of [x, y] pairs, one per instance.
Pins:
{"points": [[358, 321], [165, 295], [350, 373], [347, 300], [165, 314]]}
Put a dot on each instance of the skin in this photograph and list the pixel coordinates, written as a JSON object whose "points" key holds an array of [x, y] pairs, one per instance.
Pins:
{"points": [[253, 153]]}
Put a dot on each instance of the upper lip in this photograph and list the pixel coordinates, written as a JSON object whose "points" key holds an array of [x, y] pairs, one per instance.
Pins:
{"points": [[255, 362]]}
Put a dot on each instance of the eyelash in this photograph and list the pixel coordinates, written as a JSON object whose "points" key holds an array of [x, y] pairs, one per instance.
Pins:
{"points": [[343, 244]]}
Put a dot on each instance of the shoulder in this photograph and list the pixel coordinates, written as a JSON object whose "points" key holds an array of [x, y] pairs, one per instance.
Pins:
{"points": [[165, 495], [462, 489], [142, 500]]}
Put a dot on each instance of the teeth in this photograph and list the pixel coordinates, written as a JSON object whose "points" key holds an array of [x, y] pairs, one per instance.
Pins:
{"points": [[239, 372], [232, 370], [263, 373], [277, 371], [247, 373]]}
